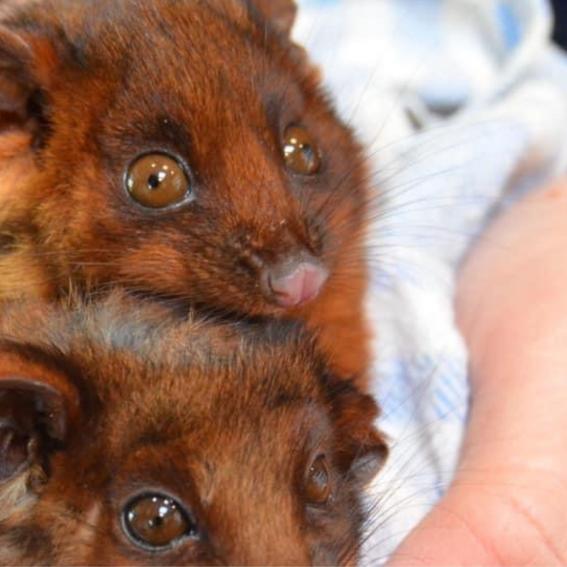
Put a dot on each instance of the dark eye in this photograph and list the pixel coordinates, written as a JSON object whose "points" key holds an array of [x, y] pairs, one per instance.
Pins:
{"points": [[157, 522], [300, 151], [318, 482], [157, 181]]}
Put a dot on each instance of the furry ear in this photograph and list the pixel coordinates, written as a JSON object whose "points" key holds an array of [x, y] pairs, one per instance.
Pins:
{"points": [[27, 62], [16, 83], [280, 13], [363, 449], [369, 457], [36, 404]]}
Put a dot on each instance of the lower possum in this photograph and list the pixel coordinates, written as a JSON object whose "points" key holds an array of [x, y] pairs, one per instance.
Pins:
{"points": [[235, 445], [182, 149]]}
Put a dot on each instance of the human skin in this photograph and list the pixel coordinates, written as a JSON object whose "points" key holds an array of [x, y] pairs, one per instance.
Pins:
{"points": [[507, 503]]}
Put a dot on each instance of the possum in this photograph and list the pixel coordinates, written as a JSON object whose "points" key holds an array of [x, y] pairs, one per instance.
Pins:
{"points": [[129, 436], [181, 149]]}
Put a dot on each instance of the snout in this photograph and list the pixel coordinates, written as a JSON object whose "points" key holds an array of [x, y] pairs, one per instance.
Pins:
{"points": [[295, 281]]}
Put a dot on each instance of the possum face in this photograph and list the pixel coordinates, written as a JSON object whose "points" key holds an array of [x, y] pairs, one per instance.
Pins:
{"points": [[183, 149], [160, 443]]}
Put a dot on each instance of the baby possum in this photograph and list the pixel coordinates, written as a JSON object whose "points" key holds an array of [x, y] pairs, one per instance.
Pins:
{"points": [[183, 149], [233, 446]]}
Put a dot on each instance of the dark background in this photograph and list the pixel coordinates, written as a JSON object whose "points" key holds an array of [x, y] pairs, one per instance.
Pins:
{"points": [[561, 27]]}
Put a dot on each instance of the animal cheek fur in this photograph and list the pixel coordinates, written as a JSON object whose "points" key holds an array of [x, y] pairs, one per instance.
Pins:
{"points": [[158, 266], [74, 192]]}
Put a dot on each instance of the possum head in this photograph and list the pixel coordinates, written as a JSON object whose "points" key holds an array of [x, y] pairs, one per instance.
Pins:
{"points": [[183, 149]]}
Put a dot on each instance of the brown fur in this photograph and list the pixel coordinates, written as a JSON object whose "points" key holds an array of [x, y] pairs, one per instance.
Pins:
{"points": [[225, 418], [23, 270], [215, 83]]}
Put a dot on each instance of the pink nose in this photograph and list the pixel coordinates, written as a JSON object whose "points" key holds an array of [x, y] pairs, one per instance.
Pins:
{"points": [[295, 283]]}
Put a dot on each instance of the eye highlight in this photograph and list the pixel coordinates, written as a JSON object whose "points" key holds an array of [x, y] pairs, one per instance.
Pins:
{"points": [[157, 181], [156, 521], [317, 487], [301, 153]]}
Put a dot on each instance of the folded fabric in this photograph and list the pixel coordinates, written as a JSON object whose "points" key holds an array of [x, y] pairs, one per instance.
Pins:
{"points": [[463, 106]]}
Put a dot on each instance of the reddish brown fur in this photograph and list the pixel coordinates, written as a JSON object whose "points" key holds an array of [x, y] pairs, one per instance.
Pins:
{"points": [[225, 418], [111, 73], [22, 268]]}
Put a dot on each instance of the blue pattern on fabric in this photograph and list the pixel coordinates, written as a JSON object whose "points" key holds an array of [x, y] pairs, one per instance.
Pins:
{"points": [[447, 96]]}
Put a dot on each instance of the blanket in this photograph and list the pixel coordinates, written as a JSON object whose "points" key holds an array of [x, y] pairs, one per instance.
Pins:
{"points": [[462, 105]]}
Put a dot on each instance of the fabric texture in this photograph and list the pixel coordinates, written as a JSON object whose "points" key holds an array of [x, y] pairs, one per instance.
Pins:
{"points": [[463, 106]]}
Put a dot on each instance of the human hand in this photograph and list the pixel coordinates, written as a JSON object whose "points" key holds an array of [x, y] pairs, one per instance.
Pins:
{"points": [[507, 503]]}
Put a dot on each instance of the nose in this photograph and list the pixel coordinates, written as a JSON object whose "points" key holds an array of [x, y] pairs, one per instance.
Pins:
{"points": [[295, 282]]}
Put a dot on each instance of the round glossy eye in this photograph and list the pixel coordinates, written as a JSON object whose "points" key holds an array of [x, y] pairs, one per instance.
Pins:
{"points": [[318, 482], [300, 151], [157, 521], [157, 181]]}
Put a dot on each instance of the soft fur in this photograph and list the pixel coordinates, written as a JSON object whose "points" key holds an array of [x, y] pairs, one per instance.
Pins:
{"points": [[225, 418], [216, 82]]}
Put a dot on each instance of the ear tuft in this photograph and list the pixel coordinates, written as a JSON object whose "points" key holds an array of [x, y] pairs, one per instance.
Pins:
{"points": [[15, 451], [280, 13]]}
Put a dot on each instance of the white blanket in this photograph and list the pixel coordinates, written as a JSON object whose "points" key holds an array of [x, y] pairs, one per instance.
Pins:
{"points": [[463, 105]]}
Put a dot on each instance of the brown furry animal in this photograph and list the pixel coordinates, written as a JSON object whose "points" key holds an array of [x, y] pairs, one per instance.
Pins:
{"points": [[183, 149], [143, 440]]}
